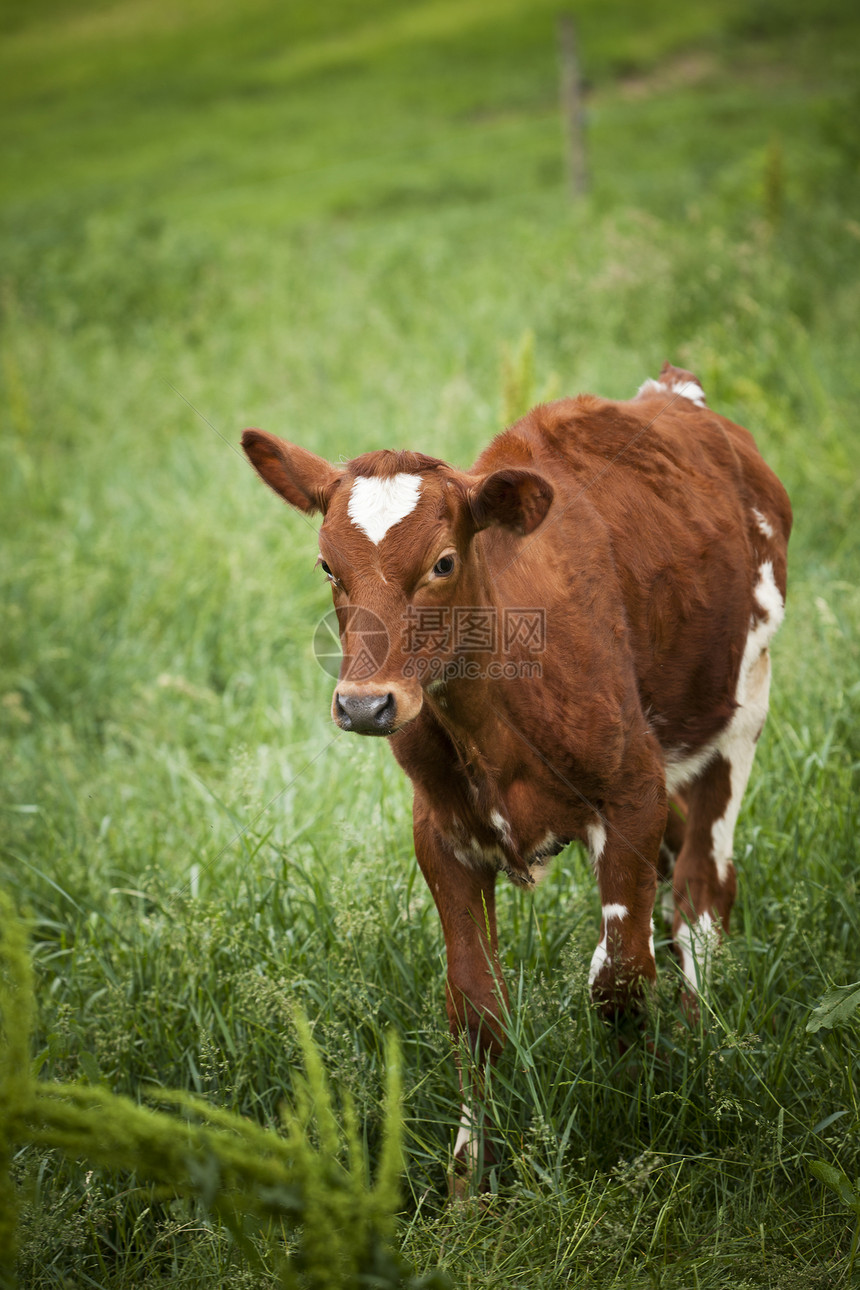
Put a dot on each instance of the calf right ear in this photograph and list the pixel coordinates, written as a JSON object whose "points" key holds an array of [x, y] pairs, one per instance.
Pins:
{"points": [[514, 498], [300, 477]]}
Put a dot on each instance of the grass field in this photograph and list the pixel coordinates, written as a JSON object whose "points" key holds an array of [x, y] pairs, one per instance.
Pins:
{"points": [[335, 222]]}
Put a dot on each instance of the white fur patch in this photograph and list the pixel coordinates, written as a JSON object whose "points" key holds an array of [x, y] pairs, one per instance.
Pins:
{"points": [[549, 842], [472, 855], [468, 1138], [596, 835], [696, 941], [680, 770], [738, 740], [598, 961], [769, 601], [501, 826], [376, 504], [614, 911], [691, 390], [764, 525]]}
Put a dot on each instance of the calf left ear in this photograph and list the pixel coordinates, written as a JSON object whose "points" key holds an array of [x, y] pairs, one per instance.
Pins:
{"points": [[515, 499], [300, 477]]}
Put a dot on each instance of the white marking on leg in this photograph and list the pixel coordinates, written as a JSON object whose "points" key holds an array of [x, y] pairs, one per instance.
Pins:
{"points": [[377, 504], [467, 1137], [738, 741], [696, 941], [599, 959], [764, 525], [596, 834], [614, 911], [651, 940]]}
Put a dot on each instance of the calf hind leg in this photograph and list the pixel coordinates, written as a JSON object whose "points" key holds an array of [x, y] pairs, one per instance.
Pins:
{"points": [[704, 882], [704, 885]]}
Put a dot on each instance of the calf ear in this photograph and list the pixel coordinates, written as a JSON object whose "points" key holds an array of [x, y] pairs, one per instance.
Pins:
{"points": [[516, 499], [300, 477]]}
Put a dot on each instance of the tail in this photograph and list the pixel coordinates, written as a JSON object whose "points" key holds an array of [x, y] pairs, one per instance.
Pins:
{"points": [[674, 380]]}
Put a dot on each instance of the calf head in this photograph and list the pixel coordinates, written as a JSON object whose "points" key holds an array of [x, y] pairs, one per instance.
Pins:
{"points": [[396, 544]]}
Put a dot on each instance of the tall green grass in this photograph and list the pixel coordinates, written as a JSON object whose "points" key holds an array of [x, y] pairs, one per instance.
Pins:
{"points": [[298, 1203], [345, 226]]}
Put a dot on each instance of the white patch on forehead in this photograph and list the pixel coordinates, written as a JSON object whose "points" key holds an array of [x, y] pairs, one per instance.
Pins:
{"points": [[376, 504]]}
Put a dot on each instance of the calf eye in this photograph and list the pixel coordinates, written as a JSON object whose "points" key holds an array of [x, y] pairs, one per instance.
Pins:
{"points": [[445, 567], [328, 573]]}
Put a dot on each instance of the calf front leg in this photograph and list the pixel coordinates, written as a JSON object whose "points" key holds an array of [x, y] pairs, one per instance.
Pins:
{"points": [[625, 847], [465, 897], [476, 995]]}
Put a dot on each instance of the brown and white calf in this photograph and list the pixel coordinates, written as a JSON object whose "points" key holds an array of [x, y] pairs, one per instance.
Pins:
{"points": [[573, 633]]}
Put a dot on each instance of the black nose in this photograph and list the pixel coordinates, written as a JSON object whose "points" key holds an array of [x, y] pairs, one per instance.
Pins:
{"points": [[366, 714]]}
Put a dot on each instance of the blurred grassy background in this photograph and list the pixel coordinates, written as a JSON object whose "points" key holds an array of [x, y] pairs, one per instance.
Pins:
{"points": [[335, 221]]}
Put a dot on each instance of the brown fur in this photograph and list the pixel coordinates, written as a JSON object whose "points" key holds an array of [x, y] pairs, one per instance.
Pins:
{"points": [[630, 524]]}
